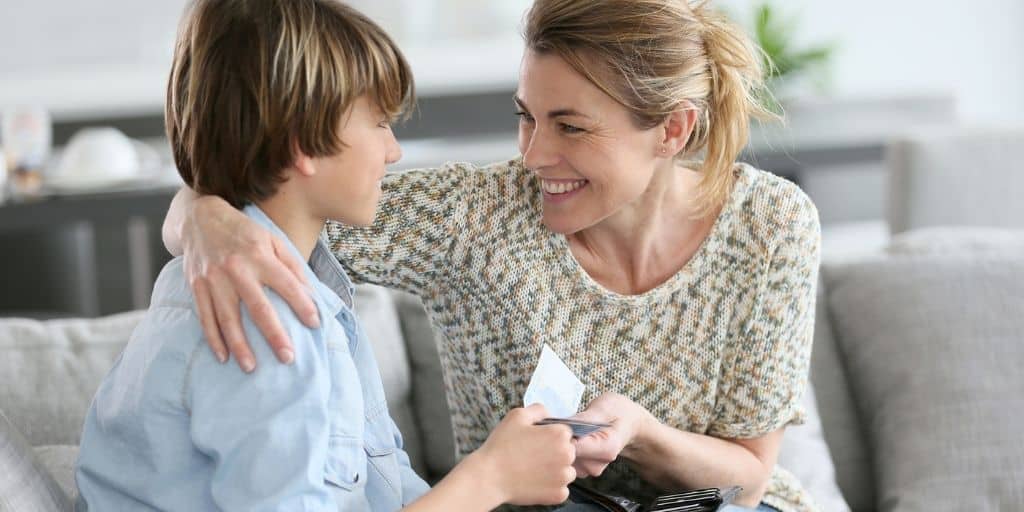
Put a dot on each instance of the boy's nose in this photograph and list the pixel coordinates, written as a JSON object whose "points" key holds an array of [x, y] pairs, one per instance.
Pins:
{"points": [[394, 152]]}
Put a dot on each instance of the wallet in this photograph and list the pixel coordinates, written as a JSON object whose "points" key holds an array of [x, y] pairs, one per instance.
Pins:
{"points": [[698, 500]]}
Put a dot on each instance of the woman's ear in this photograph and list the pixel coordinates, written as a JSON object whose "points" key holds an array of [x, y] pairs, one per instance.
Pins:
{"points": [[677, 129]]}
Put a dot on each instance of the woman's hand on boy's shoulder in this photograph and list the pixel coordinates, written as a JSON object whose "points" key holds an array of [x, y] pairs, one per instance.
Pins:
{"points": [[228, 260]]}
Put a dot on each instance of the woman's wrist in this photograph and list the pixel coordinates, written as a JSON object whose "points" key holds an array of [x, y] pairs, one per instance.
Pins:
{"points": [[645, 432]]}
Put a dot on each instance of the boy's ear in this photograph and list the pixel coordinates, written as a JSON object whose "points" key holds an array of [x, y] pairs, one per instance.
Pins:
{"points": [[302, 163]]}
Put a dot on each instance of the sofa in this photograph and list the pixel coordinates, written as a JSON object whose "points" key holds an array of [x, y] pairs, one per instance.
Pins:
{"points": [[916, 384]]}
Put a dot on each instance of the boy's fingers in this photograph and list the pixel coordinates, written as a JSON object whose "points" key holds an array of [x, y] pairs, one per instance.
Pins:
{"points": [[208, 320], [535, 412], [227, 308]]}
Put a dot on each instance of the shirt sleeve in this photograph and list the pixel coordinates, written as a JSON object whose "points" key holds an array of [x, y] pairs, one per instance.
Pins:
{"points": [[421, 215], [765, 372], [266, 432]]}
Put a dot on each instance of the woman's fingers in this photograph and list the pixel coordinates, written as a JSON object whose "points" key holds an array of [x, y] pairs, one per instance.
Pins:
{"points": [[208, 319], [265, 317], [295, 266], [289, 281], [227, 309]]}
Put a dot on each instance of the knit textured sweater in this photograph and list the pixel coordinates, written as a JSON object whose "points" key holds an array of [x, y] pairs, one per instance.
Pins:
{"points": [[721, 348]]}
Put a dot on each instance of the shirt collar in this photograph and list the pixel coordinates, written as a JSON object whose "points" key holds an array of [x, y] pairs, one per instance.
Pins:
{"points": [[328, 280]]}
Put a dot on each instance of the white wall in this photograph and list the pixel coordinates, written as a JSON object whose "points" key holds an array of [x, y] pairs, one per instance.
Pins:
{"points": [[973, 49], [114, 54]]}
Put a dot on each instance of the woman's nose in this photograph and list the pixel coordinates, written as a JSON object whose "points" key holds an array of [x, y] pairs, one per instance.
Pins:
{"points": [[539, 152]]}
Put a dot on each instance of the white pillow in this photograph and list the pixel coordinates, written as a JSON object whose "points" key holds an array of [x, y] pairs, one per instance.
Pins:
{"points": [[805, 455]]}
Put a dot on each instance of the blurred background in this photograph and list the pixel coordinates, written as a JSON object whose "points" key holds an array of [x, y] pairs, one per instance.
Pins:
{"points": [[87, 174]]}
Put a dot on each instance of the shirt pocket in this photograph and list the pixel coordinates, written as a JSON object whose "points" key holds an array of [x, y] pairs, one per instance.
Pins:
{"points": [[379, 444], [346, 463]]}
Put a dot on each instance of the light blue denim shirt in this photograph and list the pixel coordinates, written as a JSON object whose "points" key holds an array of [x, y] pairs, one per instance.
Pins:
{"points": [[170, 428]]}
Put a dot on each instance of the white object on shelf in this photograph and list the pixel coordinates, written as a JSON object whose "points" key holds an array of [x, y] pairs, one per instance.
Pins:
{"points": [[101, 158]]}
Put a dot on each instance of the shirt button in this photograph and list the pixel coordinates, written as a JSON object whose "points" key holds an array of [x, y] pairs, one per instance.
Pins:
{"points": [[355, 478]]}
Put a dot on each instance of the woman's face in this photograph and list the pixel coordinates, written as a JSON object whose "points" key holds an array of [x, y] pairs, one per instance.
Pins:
{"points": [[591, 159]]}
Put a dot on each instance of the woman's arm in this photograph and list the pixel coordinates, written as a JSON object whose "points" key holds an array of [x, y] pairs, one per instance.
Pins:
{"points": [[673, 459], [759, 391], [229, 258]]}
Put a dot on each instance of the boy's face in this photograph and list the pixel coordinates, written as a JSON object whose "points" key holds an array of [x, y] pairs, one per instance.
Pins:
{"points": [[347, 186]]}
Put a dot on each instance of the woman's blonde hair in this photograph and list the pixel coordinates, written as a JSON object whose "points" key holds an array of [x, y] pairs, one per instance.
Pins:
{"points": [[652, 56], [253, 79]]}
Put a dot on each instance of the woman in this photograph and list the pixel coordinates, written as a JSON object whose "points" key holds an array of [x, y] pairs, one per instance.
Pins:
{"points": [[680, 292]]}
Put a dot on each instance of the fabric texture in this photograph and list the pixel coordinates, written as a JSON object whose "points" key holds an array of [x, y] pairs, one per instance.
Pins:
{"points": [[200, 435], [956, 177], [720, 348], [59, 461], [428, 394], [25, 484], [951, 240], [51, 370], [805, 454], [841, 421], [935, 347], [376, 311]]}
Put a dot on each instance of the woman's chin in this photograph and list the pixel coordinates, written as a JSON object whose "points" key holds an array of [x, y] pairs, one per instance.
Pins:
{"points": [[563, 224]]}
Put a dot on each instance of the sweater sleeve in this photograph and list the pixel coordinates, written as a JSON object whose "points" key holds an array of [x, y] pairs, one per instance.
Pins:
{"points": [[764, 377], [419, 220]]}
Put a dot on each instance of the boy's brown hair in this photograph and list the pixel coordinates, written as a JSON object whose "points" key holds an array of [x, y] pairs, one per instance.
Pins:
{"points": [[254, 79]]}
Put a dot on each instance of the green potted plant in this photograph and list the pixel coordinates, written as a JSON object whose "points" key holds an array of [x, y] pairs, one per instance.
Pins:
{"points": [[789, 70]]}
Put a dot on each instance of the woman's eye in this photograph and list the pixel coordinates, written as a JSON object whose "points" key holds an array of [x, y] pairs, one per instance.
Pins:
{"points": [[568, 128], [525, 116], [384, 124]]}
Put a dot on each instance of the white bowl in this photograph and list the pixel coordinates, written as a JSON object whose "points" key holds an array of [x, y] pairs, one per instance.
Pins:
{"points": [[98, 154]]}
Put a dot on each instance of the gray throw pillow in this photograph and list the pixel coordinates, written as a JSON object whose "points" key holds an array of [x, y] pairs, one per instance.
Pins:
{"points": [[51, 371], [25, 485], [934, 348], [428, 391]]}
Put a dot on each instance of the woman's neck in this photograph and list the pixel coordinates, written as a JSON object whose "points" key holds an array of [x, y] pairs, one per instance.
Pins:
{"points": [[645, 244]]}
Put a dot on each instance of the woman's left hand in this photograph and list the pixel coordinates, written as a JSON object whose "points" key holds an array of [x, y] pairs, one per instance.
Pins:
{"points": [[628, 420]]}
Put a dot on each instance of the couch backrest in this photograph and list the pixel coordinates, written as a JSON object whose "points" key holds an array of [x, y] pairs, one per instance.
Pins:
{"points": [[956, 177], [52, 369]]}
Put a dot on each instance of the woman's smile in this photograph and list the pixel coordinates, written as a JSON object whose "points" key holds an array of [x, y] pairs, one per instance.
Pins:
{"points": [[561, 190]]}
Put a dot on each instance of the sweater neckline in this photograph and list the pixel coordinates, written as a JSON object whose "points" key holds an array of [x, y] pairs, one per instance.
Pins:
{"points": [[711, 244]]}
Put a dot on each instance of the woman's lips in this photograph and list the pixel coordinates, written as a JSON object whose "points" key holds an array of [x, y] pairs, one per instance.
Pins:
{"points": [[561, 190]]}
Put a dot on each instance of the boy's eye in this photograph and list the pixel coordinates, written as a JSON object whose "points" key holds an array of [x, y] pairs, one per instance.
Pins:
{"points": [[524, 116], [384, 124]]}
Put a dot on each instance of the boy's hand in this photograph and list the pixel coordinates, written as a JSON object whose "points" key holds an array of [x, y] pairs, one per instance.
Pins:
{"points": [[529, 464], [228, 257]]}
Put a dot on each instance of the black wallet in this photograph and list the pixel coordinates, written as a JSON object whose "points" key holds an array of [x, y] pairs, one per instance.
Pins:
{"points": [[699, 500]]}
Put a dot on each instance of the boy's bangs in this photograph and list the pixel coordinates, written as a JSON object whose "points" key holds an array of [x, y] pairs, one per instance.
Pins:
{"points": [[384, 75]]}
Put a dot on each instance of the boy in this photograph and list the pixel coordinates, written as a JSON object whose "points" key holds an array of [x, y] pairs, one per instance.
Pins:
{"points": [[281, 107]]}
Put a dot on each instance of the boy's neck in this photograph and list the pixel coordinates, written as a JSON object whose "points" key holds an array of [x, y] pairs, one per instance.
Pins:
{"points": [[301, 226]]}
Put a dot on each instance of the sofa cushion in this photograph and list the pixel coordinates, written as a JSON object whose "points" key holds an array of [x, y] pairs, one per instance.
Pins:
{"points": [[804, 454], [59, 462], [933, 347], [52, 369], [840, 419], [952, 240], [428, 391], [379, 319], [25, 484]]}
